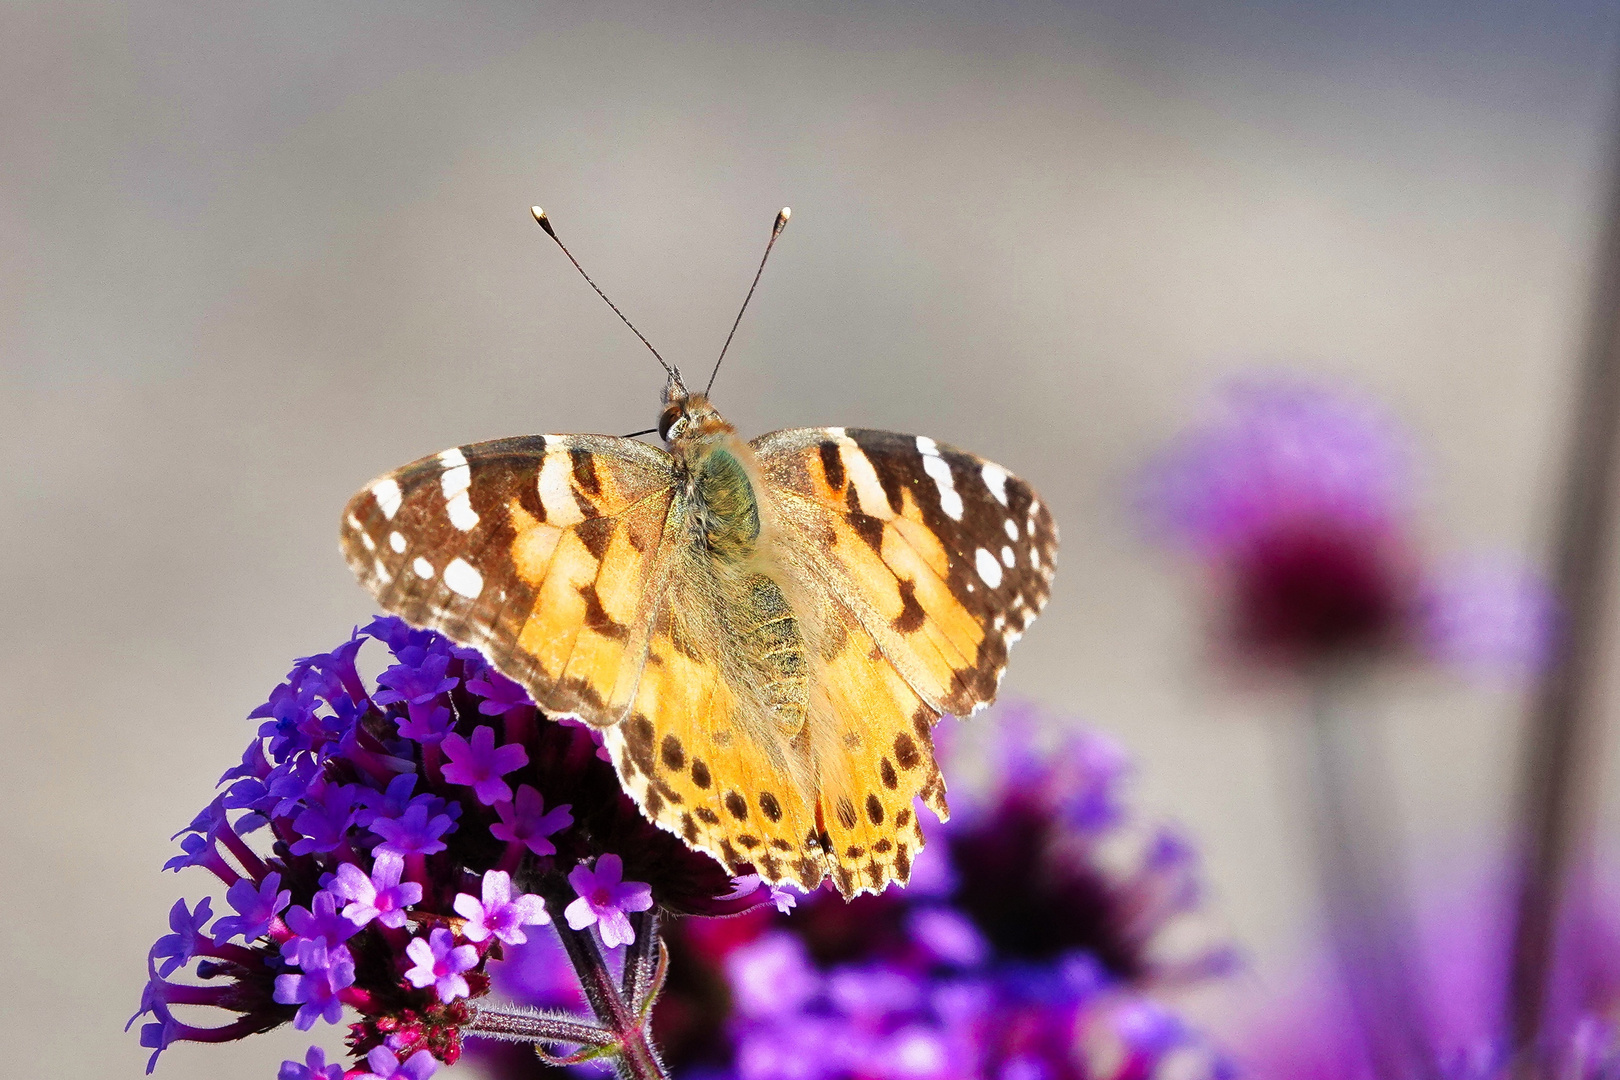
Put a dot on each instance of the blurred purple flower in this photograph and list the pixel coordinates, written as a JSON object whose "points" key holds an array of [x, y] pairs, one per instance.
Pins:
{"points": [[383, 1065], [1299, 499], [1310, 1031]]}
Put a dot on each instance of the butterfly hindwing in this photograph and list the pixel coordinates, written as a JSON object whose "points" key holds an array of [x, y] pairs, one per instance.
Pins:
{"points": [[539, 551]]}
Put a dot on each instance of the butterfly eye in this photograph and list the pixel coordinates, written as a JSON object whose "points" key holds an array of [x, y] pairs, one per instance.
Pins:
{"points": [[667, 420]]}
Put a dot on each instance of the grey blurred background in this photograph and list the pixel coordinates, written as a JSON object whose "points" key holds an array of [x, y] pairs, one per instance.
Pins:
{"points": [[251, 255]]}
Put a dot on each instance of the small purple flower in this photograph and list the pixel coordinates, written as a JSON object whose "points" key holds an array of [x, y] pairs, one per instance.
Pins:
{"points": [[415, 833], [313, 1068], [439, 964], [480, 764], [526, 821], [772, 975], [255, 907], [325, 824], [189, 937], [326, 973], [323, 923], [499, 914], [380, 895], [606, 900], [384, 1065], [415, 684], [501, 695], [426, 724], [389, 803]]}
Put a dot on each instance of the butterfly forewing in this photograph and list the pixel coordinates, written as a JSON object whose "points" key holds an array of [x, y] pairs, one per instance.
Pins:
{"points": [[945, 557], [536, 550]]}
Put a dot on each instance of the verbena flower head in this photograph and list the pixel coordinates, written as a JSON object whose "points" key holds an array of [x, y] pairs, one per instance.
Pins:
{"points": [[380, 846], [1300, 500], [1309, 1031], [1026, 944]]}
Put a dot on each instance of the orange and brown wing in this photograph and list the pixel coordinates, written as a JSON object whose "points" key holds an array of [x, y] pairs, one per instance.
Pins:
{"points": [[695, 758], [944, 558], [544, 552]]}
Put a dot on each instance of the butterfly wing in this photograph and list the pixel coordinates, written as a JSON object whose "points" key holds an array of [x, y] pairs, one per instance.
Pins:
{"points": [[933, 562], [544, 552]]}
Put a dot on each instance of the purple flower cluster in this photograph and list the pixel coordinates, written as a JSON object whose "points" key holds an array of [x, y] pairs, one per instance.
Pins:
{"points": [[1300, 501], [1033, 925], [412, 831]]}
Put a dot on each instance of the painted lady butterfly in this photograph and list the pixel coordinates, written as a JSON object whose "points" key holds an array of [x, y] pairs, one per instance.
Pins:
{"points": [[765, 632]]}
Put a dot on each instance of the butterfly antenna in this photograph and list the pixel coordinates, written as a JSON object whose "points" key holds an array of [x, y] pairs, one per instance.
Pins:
{"points": [[776, 230], [544, 222]]}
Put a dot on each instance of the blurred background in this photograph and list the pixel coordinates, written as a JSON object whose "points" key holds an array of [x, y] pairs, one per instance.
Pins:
{"points": [[252, 256]]}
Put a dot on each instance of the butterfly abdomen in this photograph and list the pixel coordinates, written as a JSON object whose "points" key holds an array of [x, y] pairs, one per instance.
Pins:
{"points": [[770, 635]]}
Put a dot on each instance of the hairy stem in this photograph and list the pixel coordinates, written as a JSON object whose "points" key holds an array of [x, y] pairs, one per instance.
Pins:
{"points": [[537, 1027], [633, 1055]]}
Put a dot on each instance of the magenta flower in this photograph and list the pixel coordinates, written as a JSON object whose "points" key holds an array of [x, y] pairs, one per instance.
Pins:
{"points": [[606, 900], [379, 895], [1298, 499], [499, 913], [526, 821], [480, 764], [416, 832], [324, 922], [384, 1065], [326, 973], [313, 1068], [255, 907], [439, 964]]}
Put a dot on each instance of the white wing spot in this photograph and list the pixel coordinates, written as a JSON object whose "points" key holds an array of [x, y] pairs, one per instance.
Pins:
{"points": [[397, 542], [462, 515], [454, 482], [1007, 557], [354, 523], [1012, 530], [556, 488], [989, 569], [937, 468], [371, 545], [462, 578], [423, 568], [381, 571], [869, 494], [386, 492], [995, 478]]}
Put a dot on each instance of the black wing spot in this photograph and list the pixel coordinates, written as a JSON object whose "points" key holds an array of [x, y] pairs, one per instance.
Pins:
{"points": [[832, 463], [737, 807], [911, 615], [674, 756], [707, 816], [585, 471], [769, 806], [700, 773], [882, 846], [905, 751], [886, 770], [874, 810]]}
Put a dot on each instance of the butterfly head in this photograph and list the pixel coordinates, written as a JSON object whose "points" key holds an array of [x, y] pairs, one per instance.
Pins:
{"points": [[688, 417]]}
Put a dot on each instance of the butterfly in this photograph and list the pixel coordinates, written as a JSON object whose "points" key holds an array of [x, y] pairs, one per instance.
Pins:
{"points": [[764, 632]]}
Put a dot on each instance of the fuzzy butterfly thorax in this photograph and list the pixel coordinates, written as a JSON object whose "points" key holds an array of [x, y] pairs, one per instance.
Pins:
{"points": [[765, 632]]}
